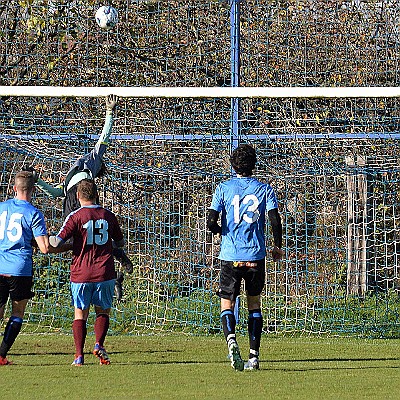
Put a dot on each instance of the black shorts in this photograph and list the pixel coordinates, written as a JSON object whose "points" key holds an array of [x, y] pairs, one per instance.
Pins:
{"points": [[16, 287], [71, 202], [230, 279]]}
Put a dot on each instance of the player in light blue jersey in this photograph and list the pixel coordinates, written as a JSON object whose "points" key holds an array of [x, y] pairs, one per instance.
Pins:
{"points": [[20, 224], [89, 166], [242, 203]]}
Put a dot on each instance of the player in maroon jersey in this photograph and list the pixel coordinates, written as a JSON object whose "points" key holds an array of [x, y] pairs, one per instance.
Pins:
{"points": [[93, 229], [90, 165]]}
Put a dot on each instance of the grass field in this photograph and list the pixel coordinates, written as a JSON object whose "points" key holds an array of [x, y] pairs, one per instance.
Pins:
{"points": [[192, 367]]}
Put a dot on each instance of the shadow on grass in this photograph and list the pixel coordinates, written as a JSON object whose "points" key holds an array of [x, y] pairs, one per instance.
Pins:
{"points": [[339, 359], [68, 352], [264, 364]]}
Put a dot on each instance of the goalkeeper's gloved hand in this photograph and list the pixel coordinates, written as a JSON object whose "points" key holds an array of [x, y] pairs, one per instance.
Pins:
{"points": [[29, 168], [111, 102]]}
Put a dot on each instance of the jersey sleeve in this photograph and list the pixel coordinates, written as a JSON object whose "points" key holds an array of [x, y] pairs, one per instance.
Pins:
{"points": [[95, 158], [106, 132], [92, 161], [38, 224], [67, 230], [272, 201], [216, 203], [116, 234], [51, 191]]}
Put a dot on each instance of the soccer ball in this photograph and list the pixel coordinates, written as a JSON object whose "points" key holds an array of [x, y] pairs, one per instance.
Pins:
{"points": [[106, 17]]}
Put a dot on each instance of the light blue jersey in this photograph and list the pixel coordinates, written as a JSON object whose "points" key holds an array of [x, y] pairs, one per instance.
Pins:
{"points": [[243, 204], [20, 222]]}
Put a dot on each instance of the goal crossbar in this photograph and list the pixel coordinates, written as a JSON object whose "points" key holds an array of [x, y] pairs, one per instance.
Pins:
{"points": [[202, 92]]}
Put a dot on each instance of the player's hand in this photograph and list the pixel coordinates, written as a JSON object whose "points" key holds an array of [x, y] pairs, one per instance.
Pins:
{"points": [[277, 253], [111, 102], [29, 168]]}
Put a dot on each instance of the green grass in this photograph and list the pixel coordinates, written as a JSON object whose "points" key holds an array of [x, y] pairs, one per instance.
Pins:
{"points": [[195, 367]]}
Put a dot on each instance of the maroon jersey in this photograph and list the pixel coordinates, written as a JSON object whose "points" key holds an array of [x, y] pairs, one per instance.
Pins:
{"points": [[92, 228]]}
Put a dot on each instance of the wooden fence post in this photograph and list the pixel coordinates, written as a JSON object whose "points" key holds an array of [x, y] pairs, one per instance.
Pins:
{"points": [[358, 225]]}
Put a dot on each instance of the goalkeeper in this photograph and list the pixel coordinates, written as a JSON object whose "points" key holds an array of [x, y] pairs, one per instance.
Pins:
{"points": [[89, 166], [243, 203]]}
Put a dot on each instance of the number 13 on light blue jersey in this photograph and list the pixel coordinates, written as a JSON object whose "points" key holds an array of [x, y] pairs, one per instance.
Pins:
{"points": [[251, 214]]}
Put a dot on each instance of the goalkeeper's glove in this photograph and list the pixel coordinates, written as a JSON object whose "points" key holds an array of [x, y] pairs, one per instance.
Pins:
{"points": [[29, 168], [111, 102]]}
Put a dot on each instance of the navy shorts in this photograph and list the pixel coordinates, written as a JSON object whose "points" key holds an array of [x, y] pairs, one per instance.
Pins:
{"points": [[230, 279], [16, 287]]}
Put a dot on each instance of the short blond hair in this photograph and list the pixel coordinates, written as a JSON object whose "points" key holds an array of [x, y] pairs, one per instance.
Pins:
{"points": [[24, 181]]}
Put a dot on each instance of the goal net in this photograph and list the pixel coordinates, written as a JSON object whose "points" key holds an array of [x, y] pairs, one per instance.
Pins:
{"points": [[332, 160], [313, 85]]}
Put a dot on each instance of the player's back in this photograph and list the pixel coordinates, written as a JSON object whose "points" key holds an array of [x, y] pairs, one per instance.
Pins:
{"points": [[243, 203], [20, 222], [93, 228]]}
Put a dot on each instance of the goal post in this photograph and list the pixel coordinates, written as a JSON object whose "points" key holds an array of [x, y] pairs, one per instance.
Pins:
{"points": [[169, 149]]}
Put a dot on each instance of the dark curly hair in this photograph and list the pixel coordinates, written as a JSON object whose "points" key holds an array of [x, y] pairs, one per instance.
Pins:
{"points": [[243, 159]]}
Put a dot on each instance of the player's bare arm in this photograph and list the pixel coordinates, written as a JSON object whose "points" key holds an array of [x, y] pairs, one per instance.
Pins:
{"points": [[43, 243]]}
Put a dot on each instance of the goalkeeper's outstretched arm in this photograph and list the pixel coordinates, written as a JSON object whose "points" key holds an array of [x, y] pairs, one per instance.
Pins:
{"points": [[104, 138], [51, 191], [93, 161]]}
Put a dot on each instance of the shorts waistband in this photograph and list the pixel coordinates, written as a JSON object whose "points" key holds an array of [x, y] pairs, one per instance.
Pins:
{"points": [[248, 264]]}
